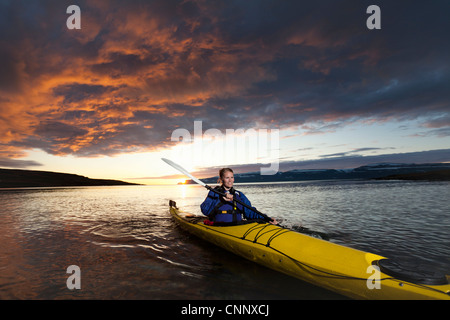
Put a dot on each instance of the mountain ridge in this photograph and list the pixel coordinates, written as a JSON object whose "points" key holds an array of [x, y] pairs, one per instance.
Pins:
{"points": [[379, 171], [19, 178]]}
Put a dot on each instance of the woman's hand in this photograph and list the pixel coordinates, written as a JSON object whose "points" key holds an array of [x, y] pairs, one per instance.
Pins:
{"points": [[228, 197]]}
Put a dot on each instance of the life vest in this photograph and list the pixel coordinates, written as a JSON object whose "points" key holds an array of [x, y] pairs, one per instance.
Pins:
{"points": [[227, 212]]}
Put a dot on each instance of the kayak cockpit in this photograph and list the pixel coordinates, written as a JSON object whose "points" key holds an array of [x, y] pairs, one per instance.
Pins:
{"points": [[413, 271]]}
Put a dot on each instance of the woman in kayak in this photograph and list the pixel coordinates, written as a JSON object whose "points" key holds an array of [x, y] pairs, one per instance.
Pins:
{"points": [[224, 210]]}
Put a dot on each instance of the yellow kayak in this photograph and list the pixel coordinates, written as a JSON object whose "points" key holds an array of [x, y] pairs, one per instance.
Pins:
{"points": [[347, 271]]}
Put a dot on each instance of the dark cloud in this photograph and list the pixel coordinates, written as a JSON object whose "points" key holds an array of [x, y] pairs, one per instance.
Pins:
{"points": [[9, 71], [140, 69], [353, 152], [14, 163], [53, 137], [77, 92], [58, 130]]}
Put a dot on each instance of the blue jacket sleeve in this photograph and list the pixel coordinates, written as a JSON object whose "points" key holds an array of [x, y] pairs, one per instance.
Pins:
{"points": [[210, 203], [250, 214]]}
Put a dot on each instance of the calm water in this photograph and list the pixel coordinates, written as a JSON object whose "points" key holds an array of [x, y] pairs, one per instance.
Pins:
{"points": [[128, 247]]}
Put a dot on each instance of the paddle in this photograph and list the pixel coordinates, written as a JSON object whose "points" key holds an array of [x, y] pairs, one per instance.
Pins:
{"points": [[298, 229], [185, 172]]}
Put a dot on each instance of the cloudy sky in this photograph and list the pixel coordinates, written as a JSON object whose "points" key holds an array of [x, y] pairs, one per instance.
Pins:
{"points": [[106, 100]]}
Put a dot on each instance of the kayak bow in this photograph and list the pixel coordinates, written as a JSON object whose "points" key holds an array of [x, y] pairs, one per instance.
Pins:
{"points": [[350, 272]]}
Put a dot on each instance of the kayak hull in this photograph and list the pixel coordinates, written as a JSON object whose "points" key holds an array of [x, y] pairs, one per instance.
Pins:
{"points": [[344, 270]]}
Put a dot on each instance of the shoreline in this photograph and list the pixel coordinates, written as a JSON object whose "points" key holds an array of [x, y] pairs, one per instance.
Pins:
{"points": [[17, 178]]}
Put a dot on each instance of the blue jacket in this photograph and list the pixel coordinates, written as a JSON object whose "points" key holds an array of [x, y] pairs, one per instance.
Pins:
{"points": [[213, 199]]}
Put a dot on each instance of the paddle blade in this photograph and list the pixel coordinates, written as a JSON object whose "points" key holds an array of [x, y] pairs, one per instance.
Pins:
{"points": [[183, 171]]}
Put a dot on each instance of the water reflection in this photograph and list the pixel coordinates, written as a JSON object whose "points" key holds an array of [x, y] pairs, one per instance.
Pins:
{"points": [[127, 246]]}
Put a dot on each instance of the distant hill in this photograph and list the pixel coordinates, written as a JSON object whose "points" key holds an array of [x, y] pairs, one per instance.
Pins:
{"points": [[427, 171], [438, 175], [12, 178]]}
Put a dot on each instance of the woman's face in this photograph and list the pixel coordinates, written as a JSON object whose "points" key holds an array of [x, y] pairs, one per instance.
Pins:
{"points": [[228, 179]]}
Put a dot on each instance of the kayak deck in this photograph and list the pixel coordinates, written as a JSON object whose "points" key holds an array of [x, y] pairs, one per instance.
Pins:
{"points": [[353, 273]]}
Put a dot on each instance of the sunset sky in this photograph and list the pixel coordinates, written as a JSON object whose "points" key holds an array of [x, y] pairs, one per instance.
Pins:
{"points": [[103, 101]]}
